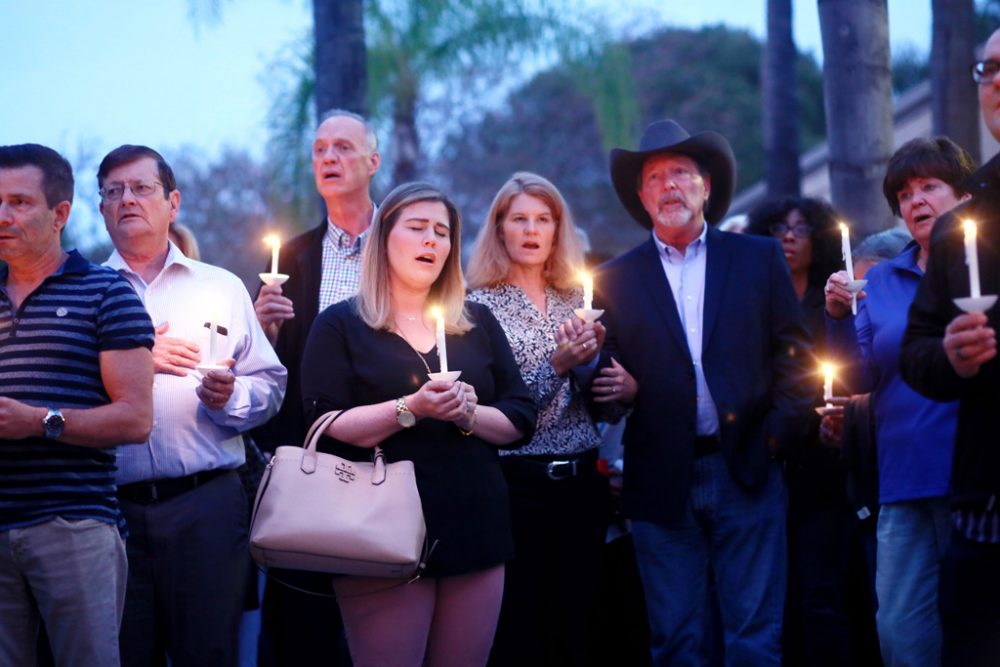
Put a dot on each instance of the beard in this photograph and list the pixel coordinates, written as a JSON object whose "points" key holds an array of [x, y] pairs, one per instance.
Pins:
{"points": [[674, 216]]}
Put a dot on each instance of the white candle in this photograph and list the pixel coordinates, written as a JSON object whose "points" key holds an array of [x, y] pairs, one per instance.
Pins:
{"points": [[213, 330], [438, 315], [275, 243], [972, 258], [845, 248], [588, 290], [827, 383]]}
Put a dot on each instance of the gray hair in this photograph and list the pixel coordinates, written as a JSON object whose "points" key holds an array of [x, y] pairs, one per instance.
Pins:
{"points": [[370, 135], [881, 246]]}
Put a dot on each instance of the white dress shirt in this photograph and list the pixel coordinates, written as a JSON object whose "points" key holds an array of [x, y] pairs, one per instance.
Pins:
{"points": [[686, 275], [187, 437]]}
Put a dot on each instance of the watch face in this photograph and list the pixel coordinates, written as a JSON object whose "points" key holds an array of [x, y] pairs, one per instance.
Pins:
{"points": [[406, 419], [53, 423]]}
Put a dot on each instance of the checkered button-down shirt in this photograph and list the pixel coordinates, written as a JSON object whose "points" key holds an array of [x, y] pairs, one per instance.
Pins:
{"points": [[341, 265]]}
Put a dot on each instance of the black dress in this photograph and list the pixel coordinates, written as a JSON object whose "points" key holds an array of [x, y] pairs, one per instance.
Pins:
{"points": [[347, 363]]}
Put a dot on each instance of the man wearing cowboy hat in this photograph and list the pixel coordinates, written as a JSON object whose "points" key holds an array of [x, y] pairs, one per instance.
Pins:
{"points": [[710, 325]]}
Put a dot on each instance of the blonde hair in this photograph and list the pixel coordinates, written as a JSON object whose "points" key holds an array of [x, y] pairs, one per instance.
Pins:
{"points": [[490, 263], [184, 239], [374, 300]]}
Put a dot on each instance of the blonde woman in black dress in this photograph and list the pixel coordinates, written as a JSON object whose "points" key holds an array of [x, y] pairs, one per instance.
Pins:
{"points": [[373, 354]]}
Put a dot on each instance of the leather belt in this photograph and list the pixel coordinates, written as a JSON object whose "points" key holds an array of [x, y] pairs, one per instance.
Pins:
{"points": [[164, 489], [555, 468], [704, 445]]}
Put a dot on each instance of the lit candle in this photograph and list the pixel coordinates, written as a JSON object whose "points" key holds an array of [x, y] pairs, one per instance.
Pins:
{"points": [[588, 290], [827, 383], [275, 243], [845, 248], [972, 258], [438, 316]]}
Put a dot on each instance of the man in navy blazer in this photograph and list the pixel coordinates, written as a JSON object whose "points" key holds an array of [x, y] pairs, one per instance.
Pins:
{"points": [[709, 324]]}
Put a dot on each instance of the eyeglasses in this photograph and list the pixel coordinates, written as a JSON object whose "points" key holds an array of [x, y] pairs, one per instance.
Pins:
{"points": [[984, 71], [779, 229], [141, 189]]}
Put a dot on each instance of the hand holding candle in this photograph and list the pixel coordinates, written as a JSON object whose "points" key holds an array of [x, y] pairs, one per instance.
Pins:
{"points": [[438, 316]]}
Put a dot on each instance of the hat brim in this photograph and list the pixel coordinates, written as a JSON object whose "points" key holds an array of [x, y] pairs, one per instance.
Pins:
{"points": [[708, 149]]}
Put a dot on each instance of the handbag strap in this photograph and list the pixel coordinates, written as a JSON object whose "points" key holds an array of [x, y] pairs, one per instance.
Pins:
{"points": [[316, 431]]}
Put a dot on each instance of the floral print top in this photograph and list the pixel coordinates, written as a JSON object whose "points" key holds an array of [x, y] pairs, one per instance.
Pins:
{"points": [[564, 425]]}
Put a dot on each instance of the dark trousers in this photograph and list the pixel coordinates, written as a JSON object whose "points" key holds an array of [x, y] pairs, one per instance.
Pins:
{"points": [[187, 571], [300, 629], [969, 601], [551, 584]]}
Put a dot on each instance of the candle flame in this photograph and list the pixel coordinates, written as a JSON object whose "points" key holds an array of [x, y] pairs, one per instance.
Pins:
{"points": [[437, 313], [273, 240], [586, 278], [828, 369], [969, 226], [844, 227]]}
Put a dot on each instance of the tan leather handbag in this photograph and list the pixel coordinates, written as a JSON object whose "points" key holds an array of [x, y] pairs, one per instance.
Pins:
{"points": [[320, 512]]}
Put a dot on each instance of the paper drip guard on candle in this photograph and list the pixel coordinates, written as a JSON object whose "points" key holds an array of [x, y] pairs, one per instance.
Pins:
{"points": [[828, 373], [588, 313], [975, 302], [272, 278], [212, 366]]}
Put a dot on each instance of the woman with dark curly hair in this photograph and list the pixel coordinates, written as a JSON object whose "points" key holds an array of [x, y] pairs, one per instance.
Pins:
{"points": [[829, 619]]}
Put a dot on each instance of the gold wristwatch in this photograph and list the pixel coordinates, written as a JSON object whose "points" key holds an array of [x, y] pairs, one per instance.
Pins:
{"points": [[405, 418]]}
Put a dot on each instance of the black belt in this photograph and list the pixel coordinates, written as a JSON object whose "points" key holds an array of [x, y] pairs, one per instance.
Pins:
{"points": [[705, 445], [555, 468], [164, 489]]}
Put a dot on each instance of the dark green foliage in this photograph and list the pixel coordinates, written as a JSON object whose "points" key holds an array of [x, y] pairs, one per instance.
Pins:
{"points": [[707, 79]]}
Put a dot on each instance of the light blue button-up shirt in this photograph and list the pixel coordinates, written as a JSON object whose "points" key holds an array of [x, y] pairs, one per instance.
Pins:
{"points": [[686, 274], [187, 436]]}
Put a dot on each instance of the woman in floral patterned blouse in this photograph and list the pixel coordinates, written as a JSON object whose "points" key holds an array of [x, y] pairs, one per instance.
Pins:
{"points": [[524, 267]]}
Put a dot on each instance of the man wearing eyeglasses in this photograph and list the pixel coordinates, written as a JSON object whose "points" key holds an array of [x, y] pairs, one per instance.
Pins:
{"points": [[949, 355], [216, 377], [76, 381]]}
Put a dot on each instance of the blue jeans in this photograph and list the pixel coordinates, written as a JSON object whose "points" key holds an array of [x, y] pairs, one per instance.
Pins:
{"points": [[913, 536], [72, 574], [740, 536]]}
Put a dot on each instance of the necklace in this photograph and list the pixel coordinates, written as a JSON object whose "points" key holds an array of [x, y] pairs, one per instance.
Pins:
{"points": [[415, 350]]}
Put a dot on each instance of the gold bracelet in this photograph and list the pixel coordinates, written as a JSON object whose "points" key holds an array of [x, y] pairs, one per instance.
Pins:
{"points": [[472, 426]]}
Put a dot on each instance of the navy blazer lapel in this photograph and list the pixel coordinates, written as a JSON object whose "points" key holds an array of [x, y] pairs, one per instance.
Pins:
{"points": [[716, 270], [654, 280]]}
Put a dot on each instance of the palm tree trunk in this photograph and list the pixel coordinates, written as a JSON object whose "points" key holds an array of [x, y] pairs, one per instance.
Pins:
{"points": [[780, 103], [953, 93], [340, 67], [405, 140], [857, 91]]}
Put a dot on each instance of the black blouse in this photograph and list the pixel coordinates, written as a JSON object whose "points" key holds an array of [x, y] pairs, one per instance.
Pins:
{"points": [[347, 363]]}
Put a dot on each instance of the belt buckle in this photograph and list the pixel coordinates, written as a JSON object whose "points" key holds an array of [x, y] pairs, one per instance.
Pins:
{"points": [[553, 468]]}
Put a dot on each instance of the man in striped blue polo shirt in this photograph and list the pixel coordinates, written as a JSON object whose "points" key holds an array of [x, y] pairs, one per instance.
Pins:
{"points": [[76, 377]]}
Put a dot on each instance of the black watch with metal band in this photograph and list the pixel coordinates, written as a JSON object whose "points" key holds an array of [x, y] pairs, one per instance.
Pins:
{"points": [[53, 423]]}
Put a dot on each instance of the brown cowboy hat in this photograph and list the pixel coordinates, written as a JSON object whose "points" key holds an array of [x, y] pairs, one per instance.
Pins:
{"points": [[708, 149]]}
